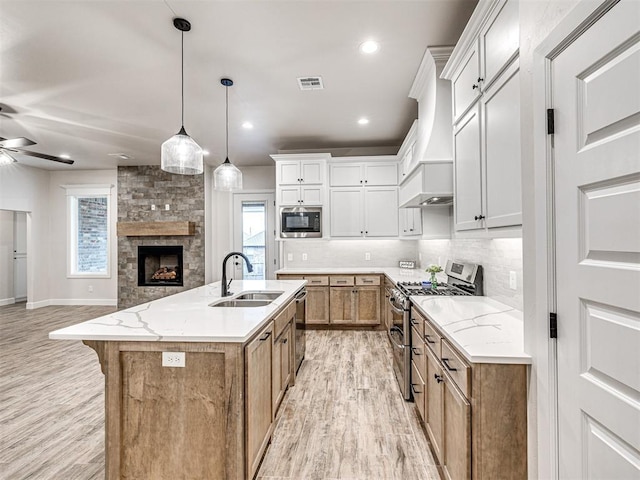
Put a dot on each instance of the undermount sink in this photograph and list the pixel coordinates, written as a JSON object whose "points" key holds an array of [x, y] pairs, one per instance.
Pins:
{"points": [[265, 295], [248, 299], [235, 303]]}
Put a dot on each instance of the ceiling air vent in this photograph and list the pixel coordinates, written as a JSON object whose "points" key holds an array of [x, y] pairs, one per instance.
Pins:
{"points": [[310, 83]]}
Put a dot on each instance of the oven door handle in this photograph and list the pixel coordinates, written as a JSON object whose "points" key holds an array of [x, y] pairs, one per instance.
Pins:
{"points": [[395, 329], [394, 307], [300, 296]]}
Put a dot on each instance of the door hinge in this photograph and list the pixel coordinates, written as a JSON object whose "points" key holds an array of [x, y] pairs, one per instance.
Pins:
{"points": [[553, 325], [551, 128]]}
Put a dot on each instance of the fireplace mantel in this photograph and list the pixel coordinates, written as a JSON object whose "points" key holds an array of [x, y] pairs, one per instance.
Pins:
{"points": [[155, 229]]}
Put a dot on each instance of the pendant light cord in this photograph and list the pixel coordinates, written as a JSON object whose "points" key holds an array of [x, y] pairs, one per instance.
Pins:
{"points": [[226, 89], [182, 74]]}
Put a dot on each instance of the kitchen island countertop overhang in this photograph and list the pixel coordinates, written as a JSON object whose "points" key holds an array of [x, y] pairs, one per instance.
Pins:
{"points": [[187, 316]]}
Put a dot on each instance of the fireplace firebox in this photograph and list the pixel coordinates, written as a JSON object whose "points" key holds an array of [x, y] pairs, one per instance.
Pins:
{"points": [[160, 266]]}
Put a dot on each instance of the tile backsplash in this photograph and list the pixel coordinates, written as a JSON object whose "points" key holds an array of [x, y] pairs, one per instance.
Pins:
{"points": [[347, 253], [498, 257]]}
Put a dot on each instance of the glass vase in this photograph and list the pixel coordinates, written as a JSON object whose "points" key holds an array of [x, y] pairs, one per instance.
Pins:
{"points": [[434, 281]]}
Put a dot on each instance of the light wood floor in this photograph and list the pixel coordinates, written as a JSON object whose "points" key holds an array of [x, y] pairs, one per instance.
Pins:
{"points": [[344, 419]]}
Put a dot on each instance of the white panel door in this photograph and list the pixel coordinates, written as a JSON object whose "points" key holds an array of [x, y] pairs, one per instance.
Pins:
{"points": [[501, 120], [466, 88], [289, 195], [311, 195], [20, 256], [312, 171], [346, 175], [346, 212], [288, 172], [381, 212], [468, 181], [596, 96], [381, 174], [499, 41]]}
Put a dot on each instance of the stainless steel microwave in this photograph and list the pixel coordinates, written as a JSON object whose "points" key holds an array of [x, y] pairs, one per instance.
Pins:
{"points": [[301, 222]]}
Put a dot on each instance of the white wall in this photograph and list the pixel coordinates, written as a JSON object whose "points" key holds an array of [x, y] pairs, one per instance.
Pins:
{"points": [[75, 291], [537, 19], [498, 258], [6, 258], [26, 189]]}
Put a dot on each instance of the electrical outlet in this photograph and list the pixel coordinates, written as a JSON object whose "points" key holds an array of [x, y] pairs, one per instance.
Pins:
{"points": [[166, 207], [304, 257], [367, 256], [90, 288], [173, 359], [513, 280], [153, 207], [289, 257]]}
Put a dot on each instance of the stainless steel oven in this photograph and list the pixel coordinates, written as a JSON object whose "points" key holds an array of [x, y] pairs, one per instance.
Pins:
{"points": [[400, 336], [301, 222]]}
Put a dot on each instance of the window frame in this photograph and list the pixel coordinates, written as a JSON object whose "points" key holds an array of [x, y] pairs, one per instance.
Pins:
{"points": [[73, 194]]}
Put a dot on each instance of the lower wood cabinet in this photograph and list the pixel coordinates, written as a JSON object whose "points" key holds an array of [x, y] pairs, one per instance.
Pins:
{"points": [[457, 427], [317, 305], [434, 399], [282, 371], [354, 305], [259, 403]]}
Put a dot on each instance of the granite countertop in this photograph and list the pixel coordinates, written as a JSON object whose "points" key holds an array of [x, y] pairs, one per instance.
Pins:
{"points": [[186, 317], [395, 274], [482, 329]]}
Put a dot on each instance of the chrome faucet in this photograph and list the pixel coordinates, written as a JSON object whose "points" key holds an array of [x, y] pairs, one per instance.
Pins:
{"points": [[225, 285]]}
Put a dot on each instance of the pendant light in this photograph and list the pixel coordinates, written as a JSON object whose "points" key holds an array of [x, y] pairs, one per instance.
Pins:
{"points": [[227, 176], [181, 154]]}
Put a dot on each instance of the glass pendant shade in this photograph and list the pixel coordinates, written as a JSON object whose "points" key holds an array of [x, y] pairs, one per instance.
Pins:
{"points": [[182, 155], [227, 177], [6, 159]]}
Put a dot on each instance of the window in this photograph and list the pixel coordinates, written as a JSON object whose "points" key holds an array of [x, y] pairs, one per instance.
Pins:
{"points": [[89, 253]]}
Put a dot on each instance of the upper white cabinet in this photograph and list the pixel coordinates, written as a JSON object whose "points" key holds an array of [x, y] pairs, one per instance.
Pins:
{"points": [[486, 119], [488, 44], [364, 197], [370, 174], [410, 222], [300, 179]]}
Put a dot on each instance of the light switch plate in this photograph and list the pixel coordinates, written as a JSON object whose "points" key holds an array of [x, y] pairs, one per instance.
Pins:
{"points": [[367, 256], [304, 257], [289, 257]]}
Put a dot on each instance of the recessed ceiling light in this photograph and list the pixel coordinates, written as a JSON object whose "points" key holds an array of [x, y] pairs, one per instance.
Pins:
{"points": [[64, 155], [205, 152], [369, 46], [363, 121], [247, 125]]}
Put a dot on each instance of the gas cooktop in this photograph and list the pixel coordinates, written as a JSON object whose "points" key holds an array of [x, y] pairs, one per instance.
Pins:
{"points": [[444, 289]]}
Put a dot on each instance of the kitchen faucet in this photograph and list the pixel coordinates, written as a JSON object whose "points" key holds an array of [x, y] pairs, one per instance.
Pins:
{"points": [[225, 285]]}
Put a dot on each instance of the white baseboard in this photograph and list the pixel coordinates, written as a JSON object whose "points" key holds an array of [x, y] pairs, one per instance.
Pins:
{"points": [[108, 302], [7, 301]]}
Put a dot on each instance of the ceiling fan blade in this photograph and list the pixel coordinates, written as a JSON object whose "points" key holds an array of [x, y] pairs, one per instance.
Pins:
{"points": [[18, 142], [46, 157]]}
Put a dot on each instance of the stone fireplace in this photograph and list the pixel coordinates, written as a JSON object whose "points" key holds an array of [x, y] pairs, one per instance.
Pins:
{"points": [[143, 195], [160, 266]]}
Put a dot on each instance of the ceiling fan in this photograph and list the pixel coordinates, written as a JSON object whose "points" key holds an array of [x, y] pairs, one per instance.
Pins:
{"points": [[16, 145]]}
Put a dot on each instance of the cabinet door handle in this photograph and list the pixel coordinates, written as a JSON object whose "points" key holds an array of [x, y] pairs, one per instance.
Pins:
{"points": [[265, 336], [414, 322], [445, 361], [413, 389], [428, 339], [285, 340], [415, 351], [367, 281], [341, 281], [438, 378], [366, 181], [366, 232], [360, 181], [480, 79], [474, 86], [361, 232], [478, 217]]}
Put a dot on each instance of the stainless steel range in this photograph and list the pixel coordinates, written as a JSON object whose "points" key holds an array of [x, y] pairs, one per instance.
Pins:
{"points": [[462, 279]]}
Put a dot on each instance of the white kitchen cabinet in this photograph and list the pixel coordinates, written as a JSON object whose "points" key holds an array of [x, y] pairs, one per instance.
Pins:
{"points": [[484, 69], [363, 174], [410, 221], [467, 175], [364, 212], [405, 153], [501, 152], [300, 179]]}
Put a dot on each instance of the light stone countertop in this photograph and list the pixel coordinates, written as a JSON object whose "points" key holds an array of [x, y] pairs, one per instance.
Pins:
{"points": [[394, 273], [482, 329], [186, 317]]}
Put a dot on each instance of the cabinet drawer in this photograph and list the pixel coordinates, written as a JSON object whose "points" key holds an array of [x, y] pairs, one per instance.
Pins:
{"points": [[418, 353], [418, 390], [457, 368], [282, 319], [341, 281], [368, 280], [432, 338], [417, 321], [317, 280]]}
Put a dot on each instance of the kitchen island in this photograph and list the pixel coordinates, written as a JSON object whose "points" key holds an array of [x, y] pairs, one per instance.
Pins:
{"points": [[190, 388]]}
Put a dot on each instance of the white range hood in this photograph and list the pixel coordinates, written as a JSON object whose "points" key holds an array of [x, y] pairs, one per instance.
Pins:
{"points": [[429, 181]]}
